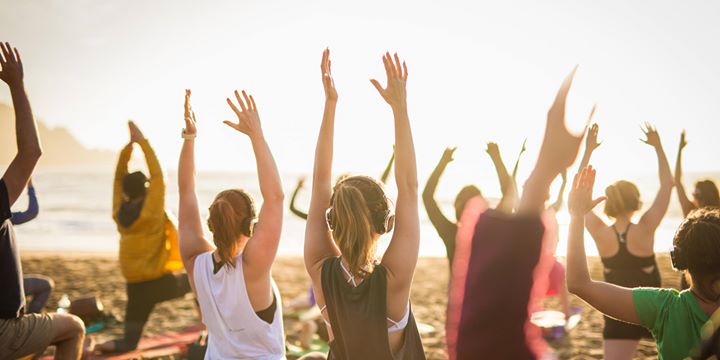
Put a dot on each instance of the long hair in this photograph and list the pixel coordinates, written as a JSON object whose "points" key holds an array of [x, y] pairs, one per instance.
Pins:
{"points": [[359, 210], [697, 241], [706, 194], [232, 214], [622, 197]]}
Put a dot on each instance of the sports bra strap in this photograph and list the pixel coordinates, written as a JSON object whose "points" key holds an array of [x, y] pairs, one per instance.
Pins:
{"points": [[622, 238], [351, 277]]}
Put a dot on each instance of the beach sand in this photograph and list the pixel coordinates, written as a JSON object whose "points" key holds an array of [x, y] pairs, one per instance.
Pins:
{"points": [[86, 274]]}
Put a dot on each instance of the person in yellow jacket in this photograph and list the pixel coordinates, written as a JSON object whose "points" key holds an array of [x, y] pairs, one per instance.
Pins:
{"points": [[149, 252]]}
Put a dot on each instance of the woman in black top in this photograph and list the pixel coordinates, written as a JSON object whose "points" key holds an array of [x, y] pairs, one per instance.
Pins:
{"points": [[350, 286]]}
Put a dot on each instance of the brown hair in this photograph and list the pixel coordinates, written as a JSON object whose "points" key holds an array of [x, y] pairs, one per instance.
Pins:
{"points": [[232, 214], [706, 194], [697, 244], [359, 209], [466, 193], [622, 197]]}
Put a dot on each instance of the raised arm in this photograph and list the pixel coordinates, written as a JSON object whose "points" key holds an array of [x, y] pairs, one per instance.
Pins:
{"points": [[517, 162], [557, 205], [558, 151], [612, 300], [33, 208], [121, 170], [299, 213], [685, 203], [593, 222], [654, 215], [192, 240], [507, 184], [154, 202], [261, 249], [445, 228], [28, 142], [401, 256], [318, 242], [386, 173]]}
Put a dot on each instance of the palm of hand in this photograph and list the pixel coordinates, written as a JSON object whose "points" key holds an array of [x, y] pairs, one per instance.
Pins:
{"points": [[328, 82], [492, 149], [394, 93], [652, 137], [448, 155], [190, 121], [10, 64]]}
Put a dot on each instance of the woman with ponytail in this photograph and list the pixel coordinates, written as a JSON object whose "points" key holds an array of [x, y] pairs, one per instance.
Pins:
{"points": [[232, 279], [365, 302], [627, 249]]}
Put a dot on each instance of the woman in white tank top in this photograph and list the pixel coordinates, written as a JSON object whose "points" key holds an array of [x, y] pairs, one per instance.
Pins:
{"points": [[238, 298]]}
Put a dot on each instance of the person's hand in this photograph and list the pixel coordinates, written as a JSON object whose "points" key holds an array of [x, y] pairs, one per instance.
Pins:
{"points": [[580, 201], [493, 150], [301, 182], [135, 134], [447, 155], [591, 141], [683, 142], [328, 83], [30, 184], [394, 94], [190, 121], [11, 68], [559, 148], [248, 118], [652, 137]]}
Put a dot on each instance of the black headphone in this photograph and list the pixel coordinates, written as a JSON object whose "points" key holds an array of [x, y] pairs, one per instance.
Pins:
{"points": [[678, 260], [383, 221]]}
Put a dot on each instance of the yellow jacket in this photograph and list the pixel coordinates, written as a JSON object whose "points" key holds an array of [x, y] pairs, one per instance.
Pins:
{"points": [[149, 247]]}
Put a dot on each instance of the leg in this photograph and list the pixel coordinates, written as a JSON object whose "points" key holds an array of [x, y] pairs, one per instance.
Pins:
{"points": [[68, 335], [137, 311], [617, 349], [39, 288]]}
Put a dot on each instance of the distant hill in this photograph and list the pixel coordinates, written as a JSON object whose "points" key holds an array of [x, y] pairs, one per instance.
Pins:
{"points": [[60, 148]]}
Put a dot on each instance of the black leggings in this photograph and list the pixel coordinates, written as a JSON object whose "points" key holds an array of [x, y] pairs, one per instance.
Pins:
{"points": [[142, 298]]}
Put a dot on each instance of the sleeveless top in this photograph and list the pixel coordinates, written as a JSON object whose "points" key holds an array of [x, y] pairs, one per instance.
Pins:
{"points": [[628, 270], [234, 329], [358, 317]]}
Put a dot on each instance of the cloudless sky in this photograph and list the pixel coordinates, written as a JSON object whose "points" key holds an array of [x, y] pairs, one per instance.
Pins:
{"points": [[479, 71]]}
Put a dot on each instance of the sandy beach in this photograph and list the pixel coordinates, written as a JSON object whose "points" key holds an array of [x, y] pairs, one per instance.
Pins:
{"points": [[85, 274]]}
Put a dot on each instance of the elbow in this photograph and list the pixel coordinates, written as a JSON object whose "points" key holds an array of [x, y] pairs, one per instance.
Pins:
{"points": [[32, 153], [577, 287]]}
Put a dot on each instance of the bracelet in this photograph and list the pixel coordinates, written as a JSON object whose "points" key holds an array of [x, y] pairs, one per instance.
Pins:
{"points": [[187, 136]]}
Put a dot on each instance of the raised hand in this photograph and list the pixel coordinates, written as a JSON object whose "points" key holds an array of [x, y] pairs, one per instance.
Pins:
{"points": [[328, 83], [591, 141], [559, 148], [190, 121], [580, 201], [135, 134], [447, 155], [683, 142], [248, 119], [394, 94], [493, 150], [652, 137], [301, 182], [11, 68]]}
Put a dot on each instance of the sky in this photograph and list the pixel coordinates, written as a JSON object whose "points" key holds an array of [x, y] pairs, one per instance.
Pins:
{"points": [[478, 71]]}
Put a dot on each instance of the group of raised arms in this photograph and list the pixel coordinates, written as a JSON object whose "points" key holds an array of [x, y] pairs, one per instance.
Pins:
{"points": [[501, 259]]}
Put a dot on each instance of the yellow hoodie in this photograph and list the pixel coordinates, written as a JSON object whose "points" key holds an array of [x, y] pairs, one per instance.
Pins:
{"points": [[149, 247]]}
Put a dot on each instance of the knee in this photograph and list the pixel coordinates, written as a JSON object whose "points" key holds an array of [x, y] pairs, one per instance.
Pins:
{"points": [[50, 284], [314, 356], [67, 325]]}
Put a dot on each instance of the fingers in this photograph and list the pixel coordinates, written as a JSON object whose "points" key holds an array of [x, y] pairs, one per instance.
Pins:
{"points": [[592, 112], [3, 53], [252, 103], [231, 124], [388, 66], [240, 101], [247, 100], [233, 107], [17, 56], [597, 201], [378, 87], [405, 76], [398, 67]]}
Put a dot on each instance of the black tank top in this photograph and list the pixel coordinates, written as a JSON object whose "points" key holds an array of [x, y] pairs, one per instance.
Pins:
{"points": [[626, 269], [358, 317]]}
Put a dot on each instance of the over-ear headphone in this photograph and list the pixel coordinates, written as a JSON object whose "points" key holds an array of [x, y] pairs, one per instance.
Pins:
{"points": [[247, 223], [678, 260], [383, 221]]}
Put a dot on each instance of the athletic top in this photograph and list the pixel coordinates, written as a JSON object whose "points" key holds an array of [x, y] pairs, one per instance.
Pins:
{"points": [[12, 300], [628, 270], [235, 331], [358, 316]]}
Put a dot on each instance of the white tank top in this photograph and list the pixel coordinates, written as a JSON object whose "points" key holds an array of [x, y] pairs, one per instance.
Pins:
{"points": [[234, 330]]}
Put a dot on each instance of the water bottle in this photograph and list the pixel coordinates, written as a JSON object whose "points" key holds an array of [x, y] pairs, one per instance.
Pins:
{"points": [[63, 305]]}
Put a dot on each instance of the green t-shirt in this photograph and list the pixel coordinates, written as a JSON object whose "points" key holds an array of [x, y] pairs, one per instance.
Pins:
{"points": [[674, 318]]}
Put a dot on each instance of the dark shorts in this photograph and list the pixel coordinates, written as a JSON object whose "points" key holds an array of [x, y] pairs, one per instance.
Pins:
{"points": [[618, 330], [30, 334]]}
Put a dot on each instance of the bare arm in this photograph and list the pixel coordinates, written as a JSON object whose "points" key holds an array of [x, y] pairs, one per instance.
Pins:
{"points": [[386, 173], [299, 213], [401, 256], [318, 242], [192, 240], [591, 143], [612, 300], [28, 142], [557, 205], [507, 184], [261, 249], [445, 228], [685, 203], [654, 215]]}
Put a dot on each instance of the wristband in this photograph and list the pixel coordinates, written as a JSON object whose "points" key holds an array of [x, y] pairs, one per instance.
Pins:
{"points": [[187, 136]]}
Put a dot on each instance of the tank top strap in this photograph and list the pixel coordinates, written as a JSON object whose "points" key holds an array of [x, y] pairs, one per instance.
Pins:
{"points": [[622, 237]]}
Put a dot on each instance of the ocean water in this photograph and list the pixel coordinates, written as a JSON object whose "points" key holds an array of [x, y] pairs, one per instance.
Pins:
{"points": [[75, 214]]}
